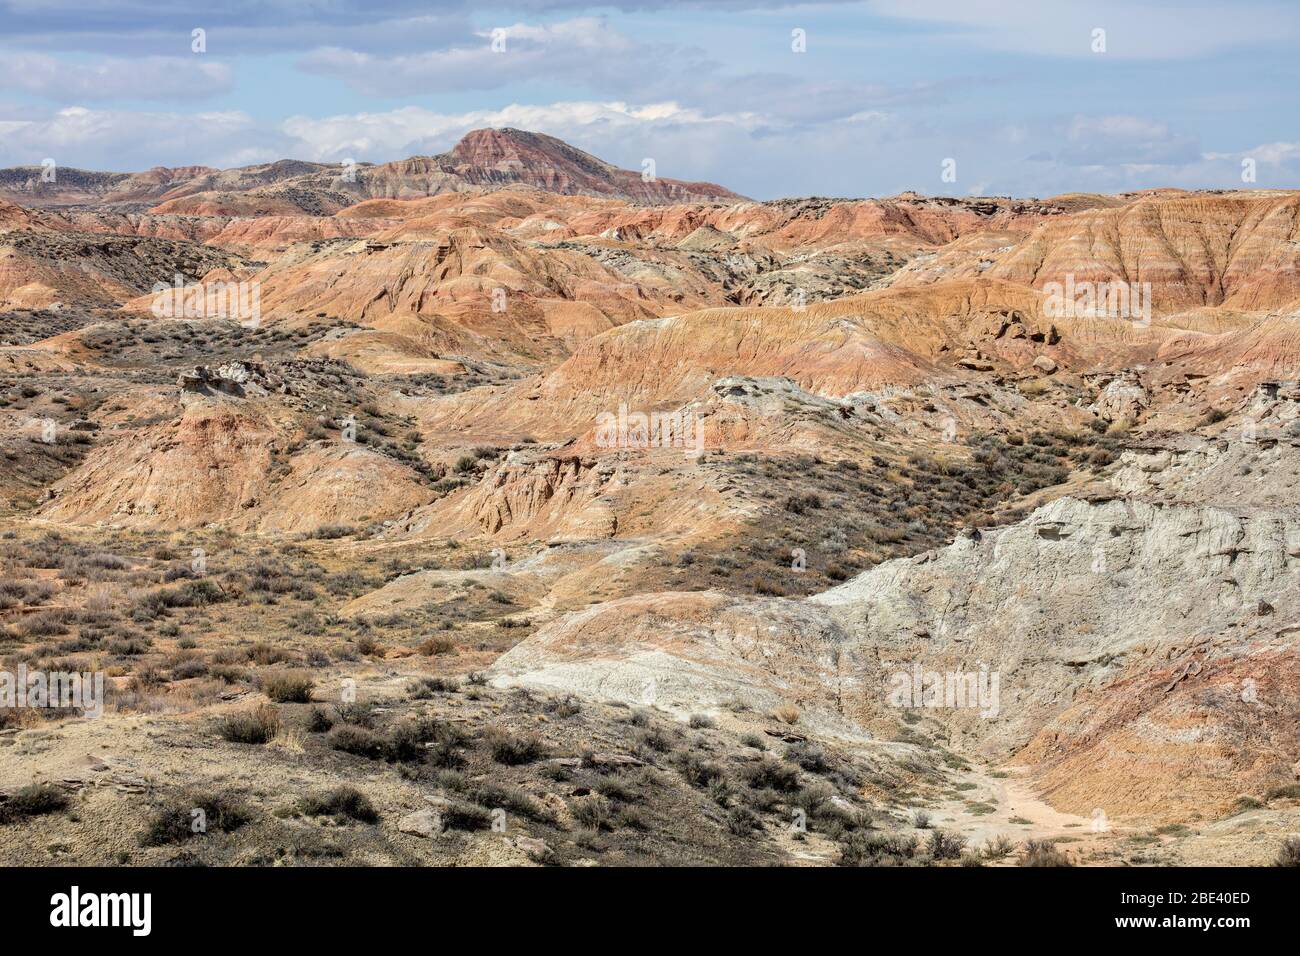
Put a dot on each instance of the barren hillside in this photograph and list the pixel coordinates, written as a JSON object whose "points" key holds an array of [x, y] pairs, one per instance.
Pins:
{"points": [[389, 499]]}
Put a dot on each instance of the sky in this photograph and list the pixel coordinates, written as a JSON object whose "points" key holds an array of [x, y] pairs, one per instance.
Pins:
{"points": [[869, 98]]}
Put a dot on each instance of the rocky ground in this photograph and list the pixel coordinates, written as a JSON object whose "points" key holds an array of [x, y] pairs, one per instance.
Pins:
{"points": [[369, 583]]}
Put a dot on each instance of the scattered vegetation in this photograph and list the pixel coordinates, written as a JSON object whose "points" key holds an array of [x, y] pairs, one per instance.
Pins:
{"points": [[256, 726]]}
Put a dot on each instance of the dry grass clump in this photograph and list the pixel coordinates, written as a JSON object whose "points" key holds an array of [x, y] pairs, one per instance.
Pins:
{"points": [[189, 815], [513, 749], [1289, 853], [346, 802], [867, 848], [1042, 853], [437, 645], [786, 713], [256, 726], [289, 687], [423, 688], [32, 801]]}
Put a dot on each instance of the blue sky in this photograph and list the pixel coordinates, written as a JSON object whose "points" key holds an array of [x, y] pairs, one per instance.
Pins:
{"points": [[1018, 95]]}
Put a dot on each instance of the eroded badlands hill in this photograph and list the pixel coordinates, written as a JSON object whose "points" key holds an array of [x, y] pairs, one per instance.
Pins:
{"points": [[397, 445]]}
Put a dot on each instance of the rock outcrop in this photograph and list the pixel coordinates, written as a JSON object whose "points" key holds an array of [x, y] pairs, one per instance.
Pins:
{"points": [[1108, 628]]}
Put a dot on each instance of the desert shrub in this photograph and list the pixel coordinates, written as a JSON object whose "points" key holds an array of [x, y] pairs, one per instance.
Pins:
{"points": [[177, 572], [190, 594], [268, 579], [701, 722], [1042, 853], [346, 582], [343, 801], [999, 847], [51, 623], [838, 572], [445, 754], [512, 799], [921, 820], [329, 532], [31, 801], [144, 680], [184, 670], [742, 821], [437, 645], [422, 688], [407, 738], [772, 774], [354, 713], [1289, 791], [836, 821], [13, 592], [566, 706], [722, 792], [176, 821], [360, 741], [513, 749], [802, 504], [306, 622], [288, 688], [460, 815], [753, 740], [319, 720], [592, 812], [945, 846], [786, 713], [814, 800], [865, 848], [255, 726], [809, 756], [130, 646], [266, 655], [229, 673], [697, 771], [766, 587], [656, 739], [1289, 853], [450, 780]]}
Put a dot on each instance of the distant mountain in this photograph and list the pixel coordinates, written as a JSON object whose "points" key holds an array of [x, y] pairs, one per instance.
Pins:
{"points": [[67, 186], [484, 158], [498, 157]]}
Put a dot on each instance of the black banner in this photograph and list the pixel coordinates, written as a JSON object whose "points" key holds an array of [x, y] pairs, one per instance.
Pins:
{"points": [[324, 905]]}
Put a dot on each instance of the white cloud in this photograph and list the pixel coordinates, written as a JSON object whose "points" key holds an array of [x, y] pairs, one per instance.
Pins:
{"points": [[1275, 154], [150, 77], [412, 129], [1135, 29], [873, 154], [1124, 140], [583, 49], [121, 140], [589, 54]]}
